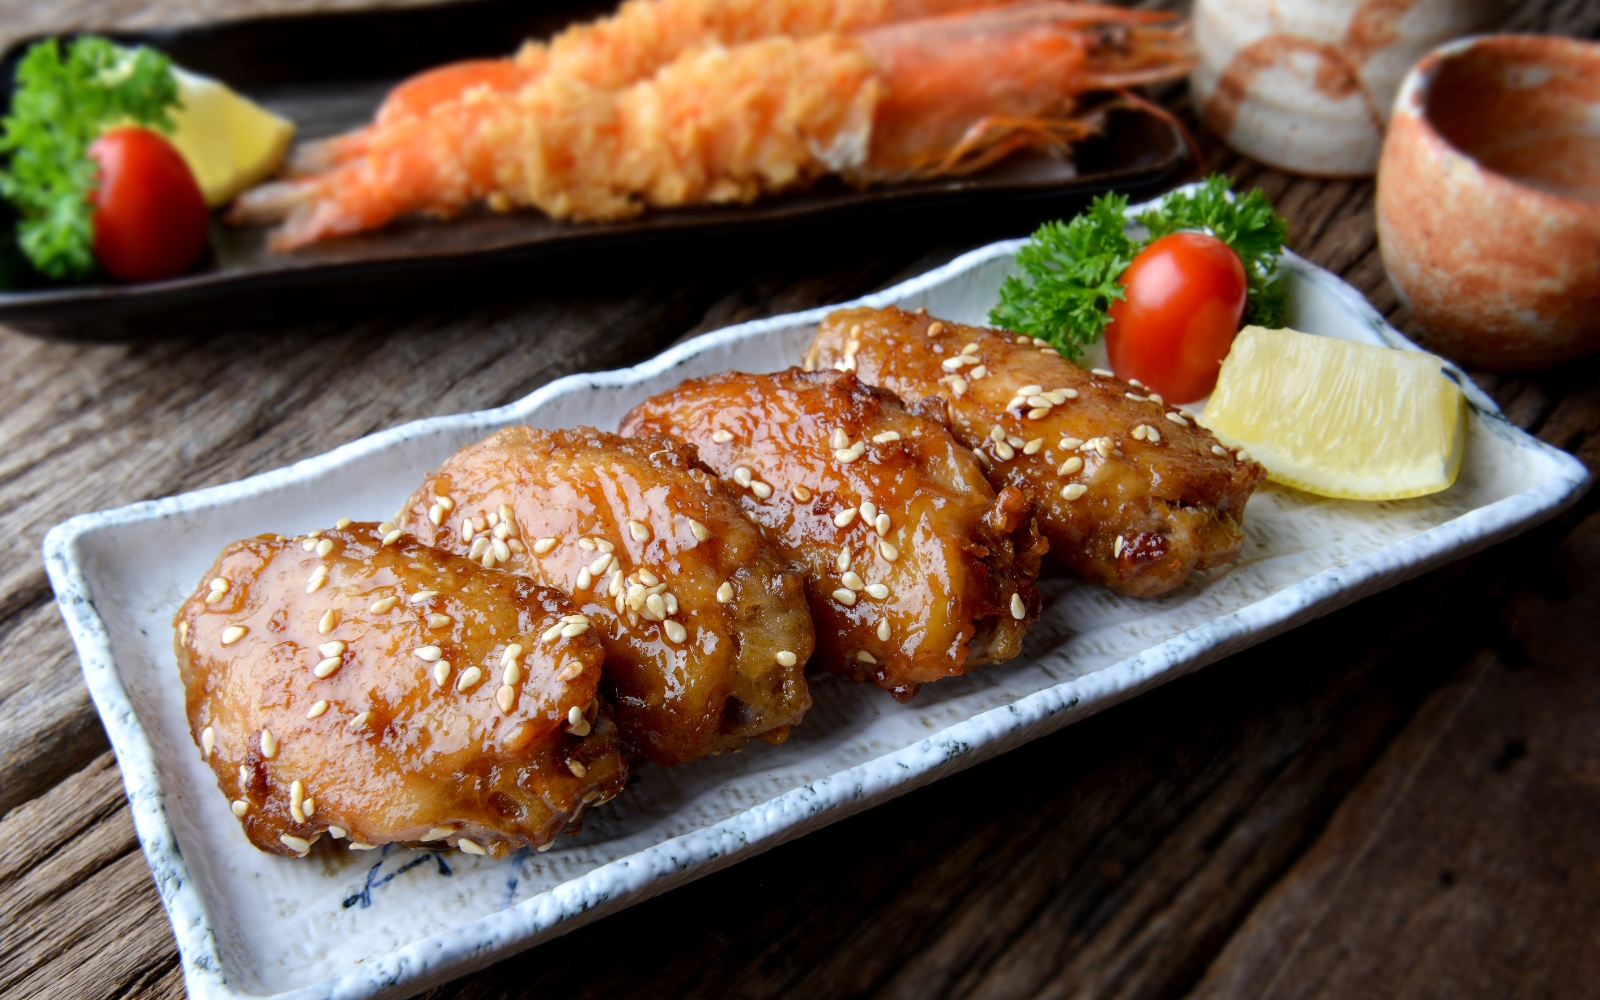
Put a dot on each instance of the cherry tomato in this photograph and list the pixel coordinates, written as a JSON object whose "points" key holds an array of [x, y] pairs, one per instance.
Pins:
{"points": [[1186, 295], [150, 220]]}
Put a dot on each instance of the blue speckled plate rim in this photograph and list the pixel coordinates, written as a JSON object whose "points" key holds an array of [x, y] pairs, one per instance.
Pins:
{"points": [[631, 879]]}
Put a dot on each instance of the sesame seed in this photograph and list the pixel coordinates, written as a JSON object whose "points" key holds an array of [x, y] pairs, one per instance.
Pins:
{"points": [[761, 490], [881, 523], [1071, 465], [1003, 451], [1038, 342], [886, 437], [232, 634], [700, 531], [577, 769], [1022, 339], [869, 510], [845, 596], [1019, 610], [1219, 451], [743, 475], [847, 455], [469, 679], [570, 672], [342, 523], [1039, 413], [220, 584], [208, 740], [217, 595], [422, 596], [1151, 434], [1032, 447], [862, 656], [843, 560], [436, 515], [1155, 397], [502, 551], [299, 845], [1136, 383], [240, 807], [1038, 400], [1135, 397], [786, 658], [445, 502], [337, 832], [953, 364], [1177, 418], [333, 647], [470, 846], [979, 372], [1055, 396], [440, 621], [543, 545], [877, 590], [1103, 373], [970, 349], [1014, 441], [844, 517], [511, 675], [853, 581], [437, 833], [601, 562], [480, 545], [648, 578], [317, 580], [883, 630], [1069, 444], [494, 519], [327, 668], [392, 537], [935, 328], [958, 385], [574, 629], [677, 633], [269, 744], [657, 606], [888, 550], [1244, 456], [427, 653], [1073, 491], [1116, 550], [997, 433], [317, 709], [245, 775], [587, 544], [725, 593], [721, 436], [505, 697], [330, 619], [1138, 433], [507, 519], [297, 796], [840, 439], [441, 673], [386, 527], [800, 493], [309, 544]]}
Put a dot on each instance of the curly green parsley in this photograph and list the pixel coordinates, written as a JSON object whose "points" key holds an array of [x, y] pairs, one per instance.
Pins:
{"points": [[59, 108], [1070, 270]]}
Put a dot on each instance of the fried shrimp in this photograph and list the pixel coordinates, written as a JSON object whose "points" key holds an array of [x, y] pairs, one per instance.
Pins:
{"points": [[934, 97], [705, 629], [622, 49], [915, 569], [1131, 493], [358, 684]]}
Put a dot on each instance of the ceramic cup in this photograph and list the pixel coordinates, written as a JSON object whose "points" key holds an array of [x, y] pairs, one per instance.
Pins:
{"points": [[1489, 199], [1306, 85]]}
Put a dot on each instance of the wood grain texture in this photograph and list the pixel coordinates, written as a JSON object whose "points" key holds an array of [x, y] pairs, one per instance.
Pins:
{"points": [[1395, 800]]}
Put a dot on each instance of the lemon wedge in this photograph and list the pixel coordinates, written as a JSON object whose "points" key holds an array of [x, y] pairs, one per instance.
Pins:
{"points": [[1339, 419], [229, 142]]}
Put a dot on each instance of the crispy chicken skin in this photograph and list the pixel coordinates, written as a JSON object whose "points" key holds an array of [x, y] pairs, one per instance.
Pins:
{"points": [[915, 570], [1129, 509], [393, 693], [705, 629]]}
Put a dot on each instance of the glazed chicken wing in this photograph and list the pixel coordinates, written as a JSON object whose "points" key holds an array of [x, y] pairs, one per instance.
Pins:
{"points": [[1130, 493], [705, 630], [359, 684], [915, 570]]}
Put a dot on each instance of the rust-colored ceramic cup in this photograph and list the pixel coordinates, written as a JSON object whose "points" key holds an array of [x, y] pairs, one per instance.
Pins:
{"points": [[1489, 199]]}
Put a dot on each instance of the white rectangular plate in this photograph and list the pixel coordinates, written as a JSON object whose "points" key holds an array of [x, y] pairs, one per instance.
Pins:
{"points": [[352, 925]]}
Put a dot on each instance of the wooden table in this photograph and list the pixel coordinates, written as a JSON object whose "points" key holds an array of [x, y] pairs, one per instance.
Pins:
{"points": [[1401, 799]]}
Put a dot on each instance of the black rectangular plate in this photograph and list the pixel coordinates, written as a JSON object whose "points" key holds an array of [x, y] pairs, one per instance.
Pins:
{"points": [[328, 72]]}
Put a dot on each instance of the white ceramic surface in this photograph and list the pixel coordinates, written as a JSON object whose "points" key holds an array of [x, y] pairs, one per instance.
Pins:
{"points": [[1307, 85], [349, 925]]}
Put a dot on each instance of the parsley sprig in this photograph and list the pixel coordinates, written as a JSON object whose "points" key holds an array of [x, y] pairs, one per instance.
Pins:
{"points": [[1070, 270], [60, 106]]}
